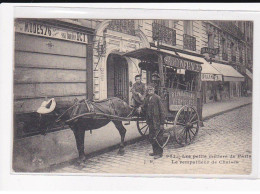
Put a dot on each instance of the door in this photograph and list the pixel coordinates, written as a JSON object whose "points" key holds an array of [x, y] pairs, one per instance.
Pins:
{"points": [[117, 77]]}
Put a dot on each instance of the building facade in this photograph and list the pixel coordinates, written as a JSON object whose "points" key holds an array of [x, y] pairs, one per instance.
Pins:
{"points": [[221, 42]]}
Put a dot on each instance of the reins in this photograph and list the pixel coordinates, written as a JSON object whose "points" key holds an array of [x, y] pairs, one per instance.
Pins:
{"points": [[59, 118]]}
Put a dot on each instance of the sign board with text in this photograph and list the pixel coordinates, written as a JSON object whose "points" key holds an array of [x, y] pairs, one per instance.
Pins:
{"points": [[212, 51], [210, 77], [179, 98], [33, 28], [182, 63]]}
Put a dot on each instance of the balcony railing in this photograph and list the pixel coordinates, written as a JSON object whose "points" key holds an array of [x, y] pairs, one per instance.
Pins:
{"points": [[164, 34], [231, 28], [189, 42], [233, 58], [225, 56], [124, 26]]}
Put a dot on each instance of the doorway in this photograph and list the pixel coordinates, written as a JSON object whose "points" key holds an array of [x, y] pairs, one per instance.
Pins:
{"points": [[117, 77]]}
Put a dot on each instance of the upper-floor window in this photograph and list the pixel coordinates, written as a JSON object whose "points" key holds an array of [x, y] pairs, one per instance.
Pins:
{"points": [[233, 52], [224, 49], [163, 33], [188, 27], [240, 54], [163, 22], [210, 40], [189, 41], [124, 26], [232, 48]]}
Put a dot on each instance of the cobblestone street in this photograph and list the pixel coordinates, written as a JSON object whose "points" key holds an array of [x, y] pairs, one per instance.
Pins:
{"points": [[223, 146]]}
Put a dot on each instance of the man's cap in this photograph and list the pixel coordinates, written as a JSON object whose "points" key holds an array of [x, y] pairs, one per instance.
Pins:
{"points": [[151, 85], [156, 74]]}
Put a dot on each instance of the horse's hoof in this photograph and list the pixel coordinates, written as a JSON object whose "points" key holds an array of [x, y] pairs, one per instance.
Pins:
{"points": [[121, 152]]}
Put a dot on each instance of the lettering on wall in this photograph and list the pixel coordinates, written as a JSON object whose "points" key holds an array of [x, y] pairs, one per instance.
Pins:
{"points": [[49, 31], [178, 98], [210, 77]]}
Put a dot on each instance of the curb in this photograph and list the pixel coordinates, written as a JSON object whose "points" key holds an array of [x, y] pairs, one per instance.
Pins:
{"points": [[129, 142]]}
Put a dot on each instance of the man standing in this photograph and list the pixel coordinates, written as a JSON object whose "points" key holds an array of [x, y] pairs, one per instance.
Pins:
{"points": [[139, 91], [155, 118]]}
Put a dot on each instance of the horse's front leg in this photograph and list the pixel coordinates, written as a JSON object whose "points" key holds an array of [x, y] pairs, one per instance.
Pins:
{"points": [[122, 131], [79, 134]]}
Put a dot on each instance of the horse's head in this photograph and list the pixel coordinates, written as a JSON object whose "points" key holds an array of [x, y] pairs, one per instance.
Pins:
{"points": [[47, 114], [51, 113]]}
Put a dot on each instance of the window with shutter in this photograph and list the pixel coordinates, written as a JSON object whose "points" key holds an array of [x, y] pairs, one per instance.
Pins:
{"points": [[188, 27], [210, 40]]}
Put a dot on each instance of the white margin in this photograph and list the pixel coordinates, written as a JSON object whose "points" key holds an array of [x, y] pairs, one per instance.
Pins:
{"points": [[100, 181]]}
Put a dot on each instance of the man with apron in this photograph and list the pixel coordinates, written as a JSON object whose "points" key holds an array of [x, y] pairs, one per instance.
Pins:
{"points": [[155, 118]]}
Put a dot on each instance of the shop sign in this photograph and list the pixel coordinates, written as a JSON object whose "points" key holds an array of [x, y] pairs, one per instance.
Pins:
{"points": [[218, 77], [212, 51], [37, 29], [182, 63], [210, 77], [179, 98]]}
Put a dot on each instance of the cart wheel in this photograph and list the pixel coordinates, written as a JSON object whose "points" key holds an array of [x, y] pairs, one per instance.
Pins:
{"points": [[142, 127], [186, 125]]}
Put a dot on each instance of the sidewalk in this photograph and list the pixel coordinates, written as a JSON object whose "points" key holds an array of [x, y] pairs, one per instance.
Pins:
{"points": [[215, 108]]}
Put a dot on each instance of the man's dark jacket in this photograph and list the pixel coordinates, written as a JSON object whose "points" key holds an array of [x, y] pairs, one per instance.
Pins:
{"points": [[154, 110]]}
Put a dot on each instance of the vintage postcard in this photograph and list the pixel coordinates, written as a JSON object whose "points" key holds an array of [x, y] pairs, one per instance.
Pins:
{"points": [[133, 96]]}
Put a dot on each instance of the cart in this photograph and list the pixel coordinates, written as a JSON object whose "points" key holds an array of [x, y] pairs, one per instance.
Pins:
{"points": [[179, 86]]}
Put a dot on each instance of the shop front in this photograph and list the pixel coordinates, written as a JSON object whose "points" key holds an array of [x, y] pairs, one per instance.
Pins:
{"points": [[232, 80], [211, 80]]}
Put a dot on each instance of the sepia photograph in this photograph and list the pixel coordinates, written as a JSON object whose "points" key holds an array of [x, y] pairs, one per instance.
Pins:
{"points": [[132, 96]]}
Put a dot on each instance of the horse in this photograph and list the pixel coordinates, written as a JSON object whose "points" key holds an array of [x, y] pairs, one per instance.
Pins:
{"points": [[75, 116]]}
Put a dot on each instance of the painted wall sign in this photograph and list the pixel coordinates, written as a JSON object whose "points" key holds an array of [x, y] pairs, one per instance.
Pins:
{"points": [[182, 63], [28, 27], [210, 77], [213, 51], [178, 98]]}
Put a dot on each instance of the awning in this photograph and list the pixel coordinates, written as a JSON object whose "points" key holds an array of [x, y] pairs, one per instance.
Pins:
{"points": [[249, 74], [208, 73], [169, 58], [147, 53], [228, 72]]}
